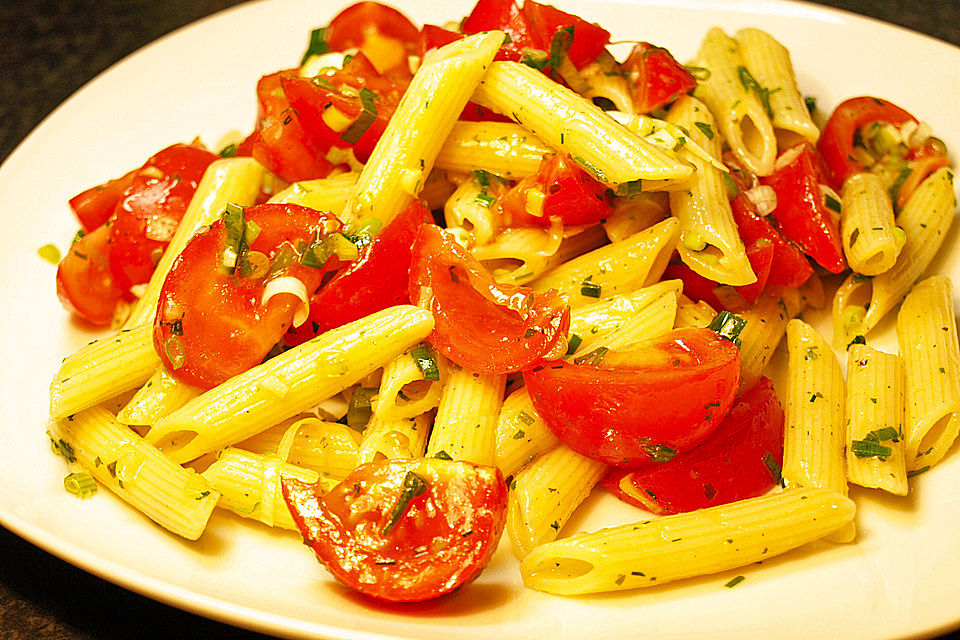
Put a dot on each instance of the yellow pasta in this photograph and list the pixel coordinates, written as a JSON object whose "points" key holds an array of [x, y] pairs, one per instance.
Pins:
{"points": [[632, 214], [522, 435], [160, 396], [766, 324], [502, 148], [871, 238], [329, 448], [520, 254], [395, 439], [465, 425], [405, 391]]}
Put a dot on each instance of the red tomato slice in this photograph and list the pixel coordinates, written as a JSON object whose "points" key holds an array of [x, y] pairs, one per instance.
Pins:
{"points": [[760, 255], [801, 214], [355, 24], [150, 210], [281, 145], [94, 206], [655, 77], [404, 530], [568, 192], [740, 460], [503, 15], [211, 324], [589, 40], [649, 403], [922, 162], [479, 324], [85, 282], [433, 37], [724, 297], [378, 279], [788, 266], [836, 142]]}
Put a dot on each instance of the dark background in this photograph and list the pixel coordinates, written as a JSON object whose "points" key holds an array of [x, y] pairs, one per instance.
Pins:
{"points": [[50, 49]]}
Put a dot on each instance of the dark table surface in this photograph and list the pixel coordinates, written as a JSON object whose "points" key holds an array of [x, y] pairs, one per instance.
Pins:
{"points": [[48, 50]]}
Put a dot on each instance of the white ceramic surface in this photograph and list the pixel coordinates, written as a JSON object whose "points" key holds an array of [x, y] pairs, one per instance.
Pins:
{"points": [[900, 579]]}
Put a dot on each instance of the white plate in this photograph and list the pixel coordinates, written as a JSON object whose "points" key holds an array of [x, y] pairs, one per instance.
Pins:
{"points": [[899, 579]]}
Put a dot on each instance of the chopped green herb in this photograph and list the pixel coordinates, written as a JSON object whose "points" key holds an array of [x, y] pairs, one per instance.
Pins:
{"points": [[228, 151], [443, 455], [630, 188], [590, 289], [773, 466], [573, 343], [734, 582], [486, 200], [705, 128], [366, 118], [413, 486], [519, 435], [701, 74], [63, 448], [590, 168], [535, 58], [857, 340], [657, 452], [50, 253], [593, 358], [525, 418], [867, 449], [317, 45], [80, 485], [831, 203], [359, 411], [728, 326], [810, 102], [423, 355], [917, 472]]}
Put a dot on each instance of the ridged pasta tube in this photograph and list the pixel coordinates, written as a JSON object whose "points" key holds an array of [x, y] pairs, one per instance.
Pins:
{"points": [[395, 439], [329, 448], [502, 148], [405, 391], [159, 397], [657, 551], [465, 425], [522, 435], [871, 238]]}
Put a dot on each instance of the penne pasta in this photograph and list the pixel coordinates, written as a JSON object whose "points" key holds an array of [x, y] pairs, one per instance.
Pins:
{"points": [[502, 148], [329, 448], [465, 425], [395, 439], [871, 238], [160, 396], [522, 435]]}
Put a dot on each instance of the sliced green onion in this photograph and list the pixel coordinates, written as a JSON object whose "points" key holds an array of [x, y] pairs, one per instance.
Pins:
{"points": [[831, 203], [590, 289], [917, 472], [366, 118], [359, 411], [175, 352], [593, 358], [317, 45], [701, 74], [728, 326], [486, 200], [63, 448], [366, 232], [810, 102], [525, 418], [774, 467], [284, 258], [705, 128], [443, 455], [734, 582], [422, 354], [50, 253], [630, 188], [559, 45], [413, 486], [80, 485], [228, 151], [233, 220], [535, 58], [657, 452], [573, 344]]}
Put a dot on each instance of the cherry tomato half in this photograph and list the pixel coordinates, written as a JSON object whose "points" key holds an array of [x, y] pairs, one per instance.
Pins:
{"points": [[629, 408], [85, 283], [655, 77], [211, 323], [94, 206], [741, 459], [352, 26], [404, 530], [565, 191], [481, 325]]}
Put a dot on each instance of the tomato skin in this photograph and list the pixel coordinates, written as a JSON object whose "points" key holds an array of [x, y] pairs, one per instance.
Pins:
{"points": [[506, 16], [378, 279], [215, 319], [801, 214], [352, 26], [589, 40], [788, 266], [655, 77], [836, 142], [481, 325], [150, 209], [94, 206], [442, 540], [571, 194], [672, 391], [726, 467], [433, 37], [280, 144], [85, 283]]}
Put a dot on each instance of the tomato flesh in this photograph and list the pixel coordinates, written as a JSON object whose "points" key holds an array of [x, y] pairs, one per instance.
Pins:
{"points": [[94, 206], [85, 283], [404, 546], [640, 405], [567, 191], [740, 460], [655, 77], [211, 324], [481, 325]]}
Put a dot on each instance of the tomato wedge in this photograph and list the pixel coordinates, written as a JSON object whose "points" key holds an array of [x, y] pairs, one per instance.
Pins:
{"points": [[563, 190], [655, 77], [280, 143], [642, 405], [85, 283], [404, 530], [741, 459], [788, 266], [212, 322], [503, 15], [94, 206], [150, 209], [801, 215], [378, 279], [383, 34], [481, 325], [589, 40], [837, 141]]}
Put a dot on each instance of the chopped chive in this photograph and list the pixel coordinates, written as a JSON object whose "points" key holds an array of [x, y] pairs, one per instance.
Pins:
{"points": [[734, 582], [80, 485], [728, 326], [573, 343], [917, 472], [486, 200], [810, 102], [658, 452], [519, 435], [422, 354], [590, 289], [359, 411], [867, 449], [701, 74], [773, 466], [705, 128], [317, 45], [630, 188], [593, 358], [228, 151], [366, 118], [413, 486], [63, 448], [175, 352], [525, 418], [443, 455]]}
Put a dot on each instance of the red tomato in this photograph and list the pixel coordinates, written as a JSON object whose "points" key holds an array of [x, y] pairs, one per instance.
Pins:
{"points": [[921, 162], [503, 15], [570, 194], [280, 144], [655, 77], [740, 460], [148, 213], [404, 530], [589, 40], [352, 26], [211, 324], [433, 37], [788, 266], [479, 324], [760, 254], [94, 206], [649, 403], [801, 215], [85, 283], [378, 279], [836, 142]]}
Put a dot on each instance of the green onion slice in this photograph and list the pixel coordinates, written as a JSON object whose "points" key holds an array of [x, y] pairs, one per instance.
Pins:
{"points": [[413, 486], [728, 326], [80, 485], [366, 118], [423, 355]]}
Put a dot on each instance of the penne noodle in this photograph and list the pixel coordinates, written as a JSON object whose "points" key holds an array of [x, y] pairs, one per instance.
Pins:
{"points": [[465, 426], [162, 395], [522, 435], [501, 148], [871, 238]]}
